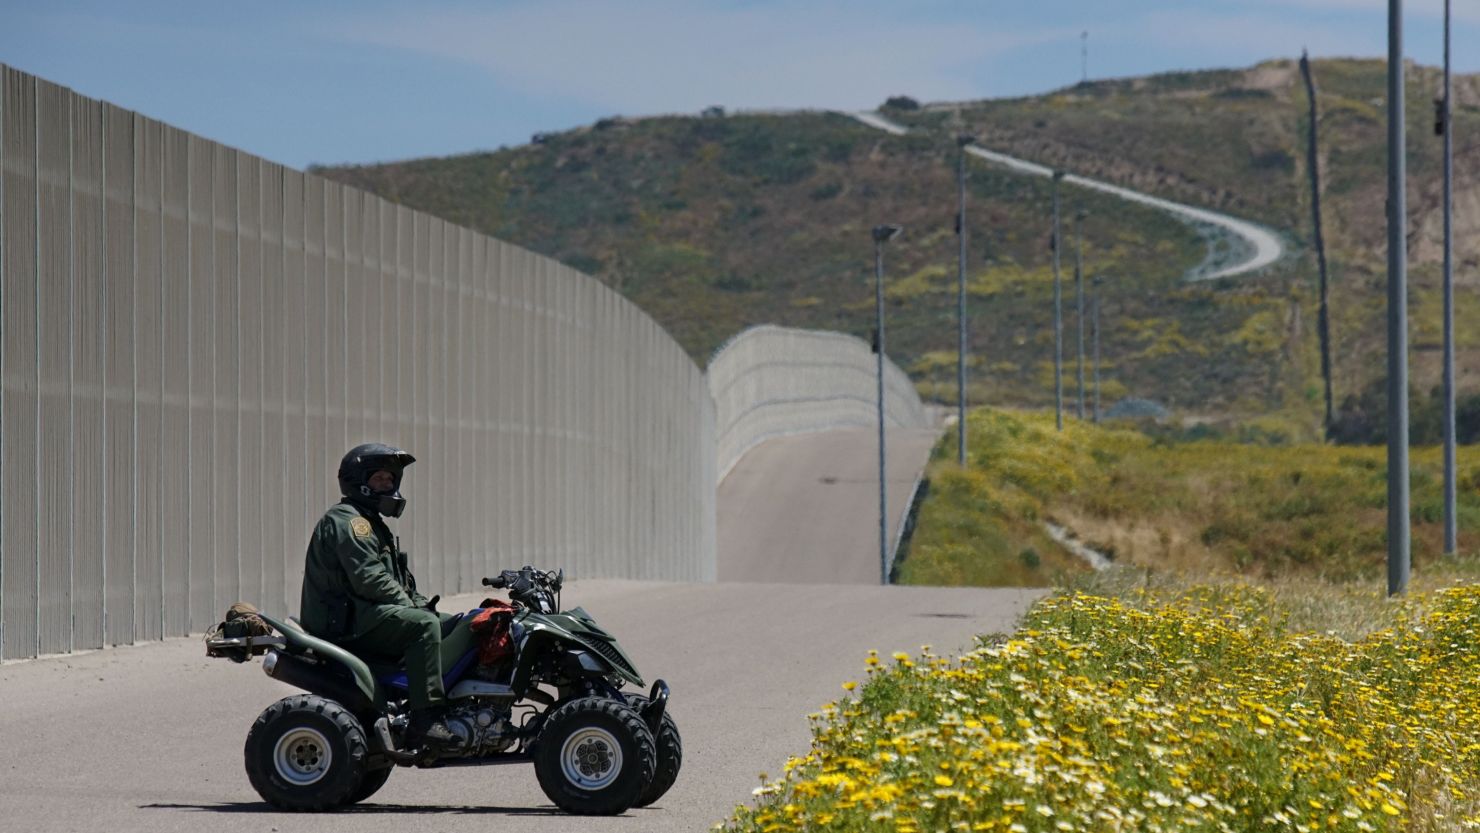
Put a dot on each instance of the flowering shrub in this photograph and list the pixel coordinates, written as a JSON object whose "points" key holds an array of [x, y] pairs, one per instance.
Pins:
{"points": [[1198, 712]]}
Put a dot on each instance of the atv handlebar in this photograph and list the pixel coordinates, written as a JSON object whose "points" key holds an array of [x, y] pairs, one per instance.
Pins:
{"points": [[531, 588]]}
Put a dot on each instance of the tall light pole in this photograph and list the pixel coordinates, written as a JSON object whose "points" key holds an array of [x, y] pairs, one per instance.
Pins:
{"points": [[1079, 290], [1397, 323], [1084, 56], [882, 234], [961, 142], [1451, 524], [1097, 281], [1058, 315]]}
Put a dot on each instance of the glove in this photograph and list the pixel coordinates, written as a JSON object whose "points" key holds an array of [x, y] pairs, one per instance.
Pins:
{"points": [[432, 603]]}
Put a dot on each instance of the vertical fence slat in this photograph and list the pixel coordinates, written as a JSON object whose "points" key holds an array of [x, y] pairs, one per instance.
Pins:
{"points": [[18, 357], [299, 511], [174, 451], [250, 482], [414, 526], [335, 438], [88, 452], [356, 298], [321, 458], [120, 500], [200, 483], [54, 368], [269, 456], [149, 367], [226, 419]]}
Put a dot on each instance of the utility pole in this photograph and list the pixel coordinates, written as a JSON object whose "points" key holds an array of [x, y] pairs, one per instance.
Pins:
{"points": [[1323, 321], [961, 142], [1084, 56], [1451, 524], [882, 234], [1098, 280], [1058, 315], [1397, 323], [1079, 216]]}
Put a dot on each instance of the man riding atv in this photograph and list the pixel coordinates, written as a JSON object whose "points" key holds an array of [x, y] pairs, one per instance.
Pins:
{"points": [[359, 593]]}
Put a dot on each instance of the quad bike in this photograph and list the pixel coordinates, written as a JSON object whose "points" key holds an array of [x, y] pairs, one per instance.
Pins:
{"points": [[556, 703]]}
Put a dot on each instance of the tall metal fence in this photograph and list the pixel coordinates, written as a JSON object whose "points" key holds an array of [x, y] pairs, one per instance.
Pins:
{"points": [[771, 381], [192, 336]]}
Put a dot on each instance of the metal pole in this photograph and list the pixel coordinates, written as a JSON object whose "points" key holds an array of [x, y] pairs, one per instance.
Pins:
{"points": [[1058, 315], [879, 329], [1451, 525], [1083, 56], [1079, 291], [1397, 323], [882, 234], [1096, 330], [961, 143], [1323, 321]]}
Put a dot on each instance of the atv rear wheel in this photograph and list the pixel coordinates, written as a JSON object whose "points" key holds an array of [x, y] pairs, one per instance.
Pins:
{"points": [[306, 753], [670, 753], [595, 756]]}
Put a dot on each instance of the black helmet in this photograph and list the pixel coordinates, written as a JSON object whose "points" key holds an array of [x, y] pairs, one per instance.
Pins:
{"points": [[364, 460]]}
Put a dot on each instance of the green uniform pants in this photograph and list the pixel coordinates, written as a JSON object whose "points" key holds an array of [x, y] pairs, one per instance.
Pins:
{"points": [[416, 636]]}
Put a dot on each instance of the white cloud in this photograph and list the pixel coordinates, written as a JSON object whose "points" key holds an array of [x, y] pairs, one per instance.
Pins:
{"points": [[647, 56]]}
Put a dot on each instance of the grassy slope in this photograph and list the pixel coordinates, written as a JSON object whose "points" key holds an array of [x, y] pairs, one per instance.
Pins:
{"points": [[714, 224], [1205, 507], [1235, 140]]}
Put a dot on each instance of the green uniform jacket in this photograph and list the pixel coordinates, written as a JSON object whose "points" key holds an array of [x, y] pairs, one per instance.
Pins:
{"points": [[355, 576]]}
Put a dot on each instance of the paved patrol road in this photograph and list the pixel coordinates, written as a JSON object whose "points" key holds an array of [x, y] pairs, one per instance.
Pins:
{"points": [[808, 505], [149, 737]]}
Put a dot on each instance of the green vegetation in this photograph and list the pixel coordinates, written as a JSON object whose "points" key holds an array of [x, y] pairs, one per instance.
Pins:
{"points": [[712, 224], [1192, 710], [716, 222], [1169, 500], [1238, 669]]}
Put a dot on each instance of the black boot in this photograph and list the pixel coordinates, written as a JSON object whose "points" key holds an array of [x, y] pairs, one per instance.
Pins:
{"points": [[427, 729]]}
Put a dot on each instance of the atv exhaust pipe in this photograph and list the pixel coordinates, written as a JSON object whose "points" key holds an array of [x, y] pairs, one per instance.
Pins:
{"points": [[657, 704], [316, 678]]}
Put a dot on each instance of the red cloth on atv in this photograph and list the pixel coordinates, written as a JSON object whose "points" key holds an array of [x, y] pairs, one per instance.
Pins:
{"points": [[491, 626]]}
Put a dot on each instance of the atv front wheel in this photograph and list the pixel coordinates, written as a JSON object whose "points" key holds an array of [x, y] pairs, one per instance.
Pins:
{"points": [[594, 757], [306, 753], [670, 753], [372, 782]]}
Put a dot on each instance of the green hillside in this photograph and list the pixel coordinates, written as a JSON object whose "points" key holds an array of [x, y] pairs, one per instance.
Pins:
{"points": [[713, 223]]}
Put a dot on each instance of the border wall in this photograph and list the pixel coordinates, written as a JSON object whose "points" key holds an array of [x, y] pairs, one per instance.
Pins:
{"points": [[773, 381], [192, 336]]}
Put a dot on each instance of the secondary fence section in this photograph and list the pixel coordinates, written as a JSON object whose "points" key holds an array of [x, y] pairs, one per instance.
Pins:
{"points": [[772, 381], [192, 336]]}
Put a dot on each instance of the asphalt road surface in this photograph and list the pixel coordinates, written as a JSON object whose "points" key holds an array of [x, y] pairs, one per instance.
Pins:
{"points": [[834, 475], [149, 738]]}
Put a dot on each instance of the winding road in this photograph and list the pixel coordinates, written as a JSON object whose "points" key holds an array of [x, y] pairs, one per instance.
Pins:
{"points": [[1261, 246]]}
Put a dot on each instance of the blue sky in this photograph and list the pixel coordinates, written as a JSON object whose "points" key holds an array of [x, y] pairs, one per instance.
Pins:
{"points": [[339, 81]]}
